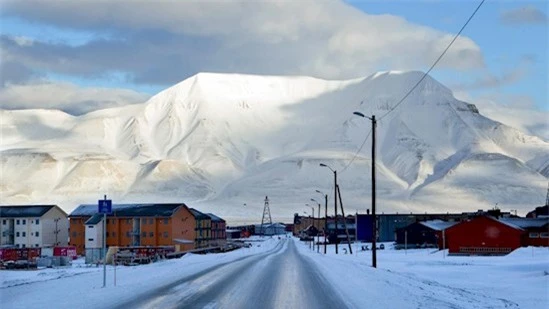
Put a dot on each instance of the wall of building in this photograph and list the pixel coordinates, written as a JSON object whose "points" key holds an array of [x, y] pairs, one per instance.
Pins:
{"points": [[94, 236], [77, 233], [55, 228], [184, 228], [482, 233]]}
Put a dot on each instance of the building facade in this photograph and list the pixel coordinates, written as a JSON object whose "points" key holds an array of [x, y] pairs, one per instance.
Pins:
{"points": [[218, 232], [26, 226], [133, 225]]}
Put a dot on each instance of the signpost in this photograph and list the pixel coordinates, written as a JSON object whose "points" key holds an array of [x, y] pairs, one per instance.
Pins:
{"points": [[104, 207]]}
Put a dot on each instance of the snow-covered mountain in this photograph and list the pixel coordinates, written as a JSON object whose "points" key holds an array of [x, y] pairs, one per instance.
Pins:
{"points": [[219, 141]]}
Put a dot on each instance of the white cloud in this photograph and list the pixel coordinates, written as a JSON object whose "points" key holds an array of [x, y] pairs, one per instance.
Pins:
{"points": [[65, 96], [524, 15], [167, 41]]}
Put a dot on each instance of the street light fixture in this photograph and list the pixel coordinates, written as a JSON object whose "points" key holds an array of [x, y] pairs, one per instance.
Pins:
{"points": [[325, 216], [335, 203], [374, 219]]}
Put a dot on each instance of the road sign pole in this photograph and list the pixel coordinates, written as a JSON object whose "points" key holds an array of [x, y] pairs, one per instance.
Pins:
{"points": [[104, 207]]}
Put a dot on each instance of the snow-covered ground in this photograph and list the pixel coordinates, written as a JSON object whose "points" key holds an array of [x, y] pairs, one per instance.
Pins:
{"points": [[421, 278]]}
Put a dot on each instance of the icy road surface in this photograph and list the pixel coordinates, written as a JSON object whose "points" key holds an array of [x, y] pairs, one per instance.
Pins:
{"points": [[280, 278]]}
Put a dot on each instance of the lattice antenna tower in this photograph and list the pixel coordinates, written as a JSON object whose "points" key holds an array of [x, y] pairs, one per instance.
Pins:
{"points": [[266, 215]]}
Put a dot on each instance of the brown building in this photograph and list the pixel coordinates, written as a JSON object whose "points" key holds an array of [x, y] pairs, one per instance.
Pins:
{"points": [[140, 225], [218, 230]]}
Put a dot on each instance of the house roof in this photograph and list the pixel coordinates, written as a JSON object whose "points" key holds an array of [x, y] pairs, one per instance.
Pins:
{"points": [[24, 210], [129, 210], [438, 225], [197, 214], [526, 222], [215, 218], [95, 219]]}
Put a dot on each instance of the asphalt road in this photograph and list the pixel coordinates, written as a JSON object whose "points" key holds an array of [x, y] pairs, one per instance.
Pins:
{"points": [[281, 278]]}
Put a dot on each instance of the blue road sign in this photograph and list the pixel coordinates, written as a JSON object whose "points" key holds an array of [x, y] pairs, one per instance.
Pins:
{"points": [[105, 206]]}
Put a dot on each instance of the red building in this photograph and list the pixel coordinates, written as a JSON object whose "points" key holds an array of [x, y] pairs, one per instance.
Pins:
{"points": [[483, 235], [536, 230]]}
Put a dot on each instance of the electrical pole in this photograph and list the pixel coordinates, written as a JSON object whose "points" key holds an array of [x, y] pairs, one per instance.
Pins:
{"points": [[335, 209], [317, 231], [374, 219], [325, 220]]}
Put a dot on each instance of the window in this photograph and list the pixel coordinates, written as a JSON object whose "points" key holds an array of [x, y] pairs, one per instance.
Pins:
{"points": [[150, 221], [17, 245], [144, 234], [165, 221], [4, 222], [36, 245], [24, 234], [90, 226], [90, 239], [113, 234], [127, 234], [37, 221], [23, 246], [107, 234], [17, 234], [544, 235], [17, 222], [151, 234], [24, 221], [73, 234], [37, 234], [165, 234], [534, 235]]}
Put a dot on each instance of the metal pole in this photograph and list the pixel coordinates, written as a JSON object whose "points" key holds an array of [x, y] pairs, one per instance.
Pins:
{"points": [[317, 232], [405, 242], [344, 220], [325, 221], [114, 262], [335, 210], [374, 219], [105, 247], [443, 244]]}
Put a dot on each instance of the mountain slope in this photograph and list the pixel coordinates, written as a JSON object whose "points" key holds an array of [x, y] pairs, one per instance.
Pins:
{"points": [[221, 140]]}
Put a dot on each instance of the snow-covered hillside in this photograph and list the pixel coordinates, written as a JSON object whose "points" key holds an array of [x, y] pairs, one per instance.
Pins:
{"points": [[217, 141]]}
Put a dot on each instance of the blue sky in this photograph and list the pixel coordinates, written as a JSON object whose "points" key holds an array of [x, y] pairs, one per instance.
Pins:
{"points": [[504, 56]]}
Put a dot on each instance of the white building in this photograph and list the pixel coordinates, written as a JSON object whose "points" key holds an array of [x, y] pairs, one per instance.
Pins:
{"points": [[27, 226], [94, 232]]}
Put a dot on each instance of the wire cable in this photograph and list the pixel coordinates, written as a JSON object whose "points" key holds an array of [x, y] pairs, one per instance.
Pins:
{"points": [[357, 152], [435, 63]]}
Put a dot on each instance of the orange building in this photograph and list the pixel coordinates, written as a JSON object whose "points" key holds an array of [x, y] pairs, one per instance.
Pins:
{"points": [[131, 225]]}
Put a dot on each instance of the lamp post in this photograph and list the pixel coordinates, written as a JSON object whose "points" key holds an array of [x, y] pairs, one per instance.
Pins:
{"points": [[325, 216], [335, 203], [374, 219], [318, 228], [313, 217]]}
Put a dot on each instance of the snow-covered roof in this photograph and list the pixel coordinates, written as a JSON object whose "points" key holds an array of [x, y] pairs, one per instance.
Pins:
{"points": [[438, 225], [129, 210], [215, 218], [24, 210], [526, 222]]}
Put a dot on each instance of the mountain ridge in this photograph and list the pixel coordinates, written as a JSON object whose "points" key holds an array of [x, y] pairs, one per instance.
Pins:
{"points": [[204, 138]]}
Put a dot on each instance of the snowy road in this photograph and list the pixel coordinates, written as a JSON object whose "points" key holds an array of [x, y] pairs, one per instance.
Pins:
{"points": [[280, 278]]}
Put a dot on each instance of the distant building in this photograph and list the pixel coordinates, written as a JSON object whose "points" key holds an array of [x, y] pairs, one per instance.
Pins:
{"points": [[483, 235], [218, 232], [536, 230], [423, 234], [140, 225], [25, 226], [542, 211]]}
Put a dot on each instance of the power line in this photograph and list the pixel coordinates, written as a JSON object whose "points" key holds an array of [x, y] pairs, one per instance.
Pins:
{"points": [[434, 64], [357, 152]]}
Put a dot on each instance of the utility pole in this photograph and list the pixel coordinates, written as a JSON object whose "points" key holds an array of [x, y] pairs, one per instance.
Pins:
{"points": [[374, 228], [374, 219], [325, 220], [317, 231], [335, 210]]}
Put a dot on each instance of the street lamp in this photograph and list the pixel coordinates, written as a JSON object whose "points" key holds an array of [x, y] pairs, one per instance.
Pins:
{"points": [[335, 203], [325, 216], [318, 228], [313, 216], [374, 219]]}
